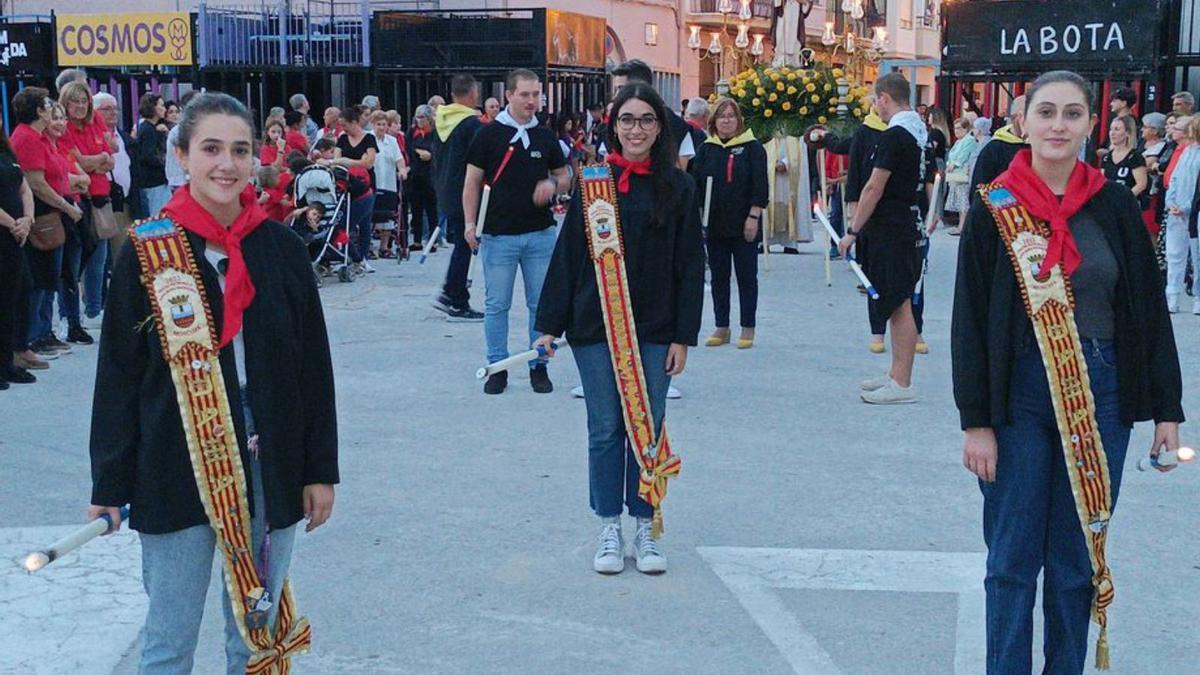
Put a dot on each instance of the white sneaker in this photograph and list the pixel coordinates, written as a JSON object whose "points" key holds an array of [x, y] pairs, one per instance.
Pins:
{"points": [[577, 392], [650, 560], [874, 383], [610, 555], [672, 392], [1172, 303], [889, 394], [1196, 306]]}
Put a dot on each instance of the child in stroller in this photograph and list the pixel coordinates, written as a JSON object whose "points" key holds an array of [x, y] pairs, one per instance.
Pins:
{"points": [[322, 216]]}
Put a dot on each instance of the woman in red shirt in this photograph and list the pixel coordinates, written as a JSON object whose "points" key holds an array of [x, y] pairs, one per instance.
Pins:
{"points": [[79, 235], [47, 176], [92, 147]]}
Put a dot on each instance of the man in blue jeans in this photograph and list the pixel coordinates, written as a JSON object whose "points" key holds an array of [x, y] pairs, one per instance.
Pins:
{"points": [[525, 168]]}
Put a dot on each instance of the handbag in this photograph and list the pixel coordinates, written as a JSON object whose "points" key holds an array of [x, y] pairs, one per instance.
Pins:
{"points": [[116, 194], [104, 222], [47, 232]]}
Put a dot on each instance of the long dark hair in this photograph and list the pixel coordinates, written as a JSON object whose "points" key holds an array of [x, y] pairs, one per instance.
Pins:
{"points": [[664, 154], [209, 103]]}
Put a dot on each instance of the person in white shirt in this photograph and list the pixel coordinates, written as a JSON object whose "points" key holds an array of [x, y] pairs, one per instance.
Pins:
{"points": [[390, 168]]}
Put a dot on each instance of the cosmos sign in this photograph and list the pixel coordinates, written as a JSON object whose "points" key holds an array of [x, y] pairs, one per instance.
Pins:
{"points": [[1105, 34], [139, 39]]}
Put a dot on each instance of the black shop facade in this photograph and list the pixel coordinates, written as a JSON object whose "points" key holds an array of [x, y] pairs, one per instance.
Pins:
{"points": [[992, 51]]}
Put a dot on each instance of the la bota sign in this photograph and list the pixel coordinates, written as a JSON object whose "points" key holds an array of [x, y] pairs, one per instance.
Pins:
{"points": [[138, 39], [1081, 34]]}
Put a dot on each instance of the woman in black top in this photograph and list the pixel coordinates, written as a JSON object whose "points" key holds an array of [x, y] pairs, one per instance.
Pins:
{"points": [[1123, 163], [150, 154], [356, 151], [419, 186], [277, 375], [736, 165], [1013, 442], [664, 261], [16, 217]]}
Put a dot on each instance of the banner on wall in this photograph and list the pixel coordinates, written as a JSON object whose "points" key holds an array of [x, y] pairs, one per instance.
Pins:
{"points": [[137, 39], [25, 49], [574, 39]]}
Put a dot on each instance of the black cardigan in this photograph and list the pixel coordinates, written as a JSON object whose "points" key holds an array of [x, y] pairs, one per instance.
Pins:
{"points": [[731, 200], [664, 265], [450, 166], [861, 149], [990, 320], [993, 160], [139, 454]]}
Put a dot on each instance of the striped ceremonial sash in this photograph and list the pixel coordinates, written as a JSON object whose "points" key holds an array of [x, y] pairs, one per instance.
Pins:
{"points": [[1051, 307], [603, 225], [183, 319]]}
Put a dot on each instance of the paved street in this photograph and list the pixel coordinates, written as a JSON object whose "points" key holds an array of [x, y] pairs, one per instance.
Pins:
{"points": [[807, 532]]}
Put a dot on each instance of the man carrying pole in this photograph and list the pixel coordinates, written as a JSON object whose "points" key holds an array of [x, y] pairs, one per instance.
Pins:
{"points": [[524, 168], [888, 210]]}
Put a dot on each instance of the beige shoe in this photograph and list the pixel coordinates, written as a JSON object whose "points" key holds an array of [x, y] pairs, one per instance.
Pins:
{"points": [[716, 340], [922, 347], [876, 346]]}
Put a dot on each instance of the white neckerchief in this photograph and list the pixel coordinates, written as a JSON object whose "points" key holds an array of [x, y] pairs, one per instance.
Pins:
{"points": [[522, 134], [911, 122]]}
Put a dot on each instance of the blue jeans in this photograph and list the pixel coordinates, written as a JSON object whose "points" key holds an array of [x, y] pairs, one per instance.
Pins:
{"points": [[41, 305], [361, 226], [612, 468], [1030, 523], [744, 257], [68, 282], [176, 568], [94, 280], [502, 253], [154, 198]]}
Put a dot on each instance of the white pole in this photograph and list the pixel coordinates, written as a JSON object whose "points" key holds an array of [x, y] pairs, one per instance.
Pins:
{"points": [[483, 207], [858, 271], [39, 559], [432, 238], [707, 202], [516, 360], [931, 214]]}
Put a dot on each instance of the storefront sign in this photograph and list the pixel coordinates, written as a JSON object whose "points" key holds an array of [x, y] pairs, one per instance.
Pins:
{"points": [[140, 39], [1111, 34], [574, 39], [25, 48]]}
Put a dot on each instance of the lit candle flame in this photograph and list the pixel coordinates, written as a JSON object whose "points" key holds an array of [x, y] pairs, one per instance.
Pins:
{"points": [[36, 561], [1186, 455]]}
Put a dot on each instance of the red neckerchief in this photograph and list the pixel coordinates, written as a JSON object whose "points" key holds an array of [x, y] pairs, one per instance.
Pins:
{"points": [[1031, 191], [239, 289], [695, 124], [418, 132], [641, 168]]}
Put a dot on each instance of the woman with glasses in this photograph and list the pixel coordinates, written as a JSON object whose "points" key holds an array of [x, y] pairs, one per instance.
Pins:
{"points": [[659, 225], [420, 193], [736, 165]]}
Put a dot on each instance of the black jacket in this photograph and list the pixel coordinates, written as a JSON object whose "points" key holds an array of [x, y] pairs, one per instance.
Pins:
{"points": [[139, 454], [993, 160], [419, 167], [990, 321], [861, 149], [149, 156], [664, 264], [450, 166], [733, 193]]}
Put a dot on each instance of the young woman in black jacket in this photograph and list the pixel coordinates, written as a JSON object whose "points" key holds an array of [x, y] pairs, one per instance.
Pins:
{"points": [[736, 164], [1045, 452], [664, 261], [277, 375]]}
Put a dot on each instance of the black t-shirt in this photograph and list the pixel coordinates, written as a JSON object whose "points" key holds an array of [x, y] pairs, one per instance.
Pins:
{"points": [[899, 153], [937, 144], [1122, 172], [510, 208], [357, 151], [10, 186]]}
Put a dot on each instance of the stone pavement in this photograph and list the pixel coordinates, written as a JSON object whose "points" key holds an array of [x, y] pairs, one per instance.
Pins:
{"points": [[807, 532]]}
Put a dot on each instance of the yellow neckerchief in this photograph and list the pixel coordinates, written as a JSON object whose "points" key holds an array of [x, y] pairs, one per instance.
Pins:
{"points": [[741, 139], [1005, 135], [449, 116], [874, 121]]}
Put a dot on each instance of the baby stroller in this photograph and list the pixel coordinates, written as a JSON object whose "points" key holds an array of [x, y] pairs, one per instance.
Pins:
{"points": [[329, 243]]}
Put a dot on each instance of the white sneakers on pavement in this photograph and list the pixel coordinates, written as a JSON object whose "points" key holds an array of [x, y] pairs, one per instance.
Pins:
{"points": [[874, 383], [889, 394], [610, 554], [610, 551], [650, 559]]}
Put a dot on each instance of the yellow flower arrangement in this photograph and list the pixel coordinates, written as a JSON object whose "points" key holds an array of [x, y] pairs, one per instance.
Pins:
{"points": [[810, 87], [838, 72], [786, 100]]}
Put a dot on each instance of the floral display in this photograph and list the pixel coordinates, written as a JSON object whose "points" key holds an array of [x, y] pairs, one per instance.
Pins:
{"points": [[784, 100]]}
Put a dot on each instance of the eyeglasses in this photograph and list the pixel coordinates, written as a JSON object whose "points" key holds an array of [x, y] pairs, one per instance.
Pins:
{"points": [[646, 122]]}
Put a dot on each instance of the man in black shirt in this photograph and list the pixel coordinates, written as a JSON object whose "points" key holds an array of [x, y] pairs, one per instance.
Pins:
{"points": [[522, 163], [456, 125], [888, 210], [995, 157]]}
